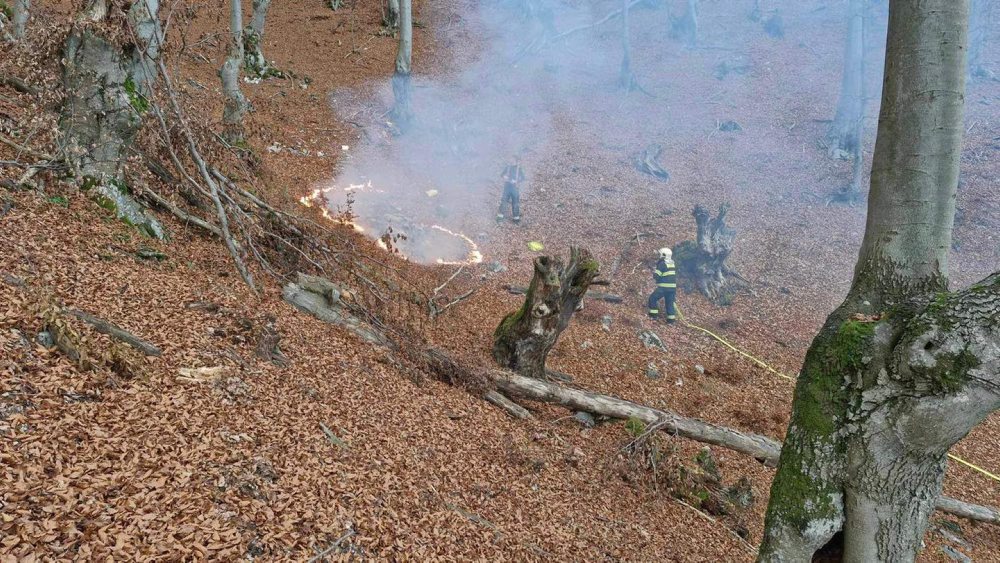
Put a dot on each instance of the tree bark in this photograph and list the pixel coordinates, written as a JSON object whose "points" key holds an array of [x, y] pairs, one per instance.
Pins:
{"points": [[107, 92], [626, 80], [236, 103], [902, 370], [845, 133], [390, 17], [701, 264], [524, 338], [685, 26], [253, 40], [22, 12], [979, 29], [402, 113]]}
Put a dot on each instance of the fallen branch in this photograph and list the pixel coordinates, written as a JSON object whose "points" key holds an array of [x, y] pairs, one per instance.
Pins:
{"points": [[26, 150], [512, 408], [432, 305], [18, 84], [762, 448], [104, 327], [595, 295], [164, 203]]}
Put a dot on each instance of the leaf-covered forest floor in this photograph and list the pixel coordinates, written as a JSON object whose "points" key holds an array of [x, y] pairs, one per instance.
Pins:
{"points": [[156, 466]]}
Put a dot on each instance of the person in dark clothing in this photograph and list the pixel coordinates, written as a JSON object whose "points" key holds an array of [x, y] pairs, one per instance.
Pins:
{"points": [[665, 276], [512, 176]]}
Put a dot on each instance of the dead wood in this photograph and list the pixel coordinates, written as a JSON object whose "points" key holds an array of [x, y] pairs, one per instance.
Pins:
{"points": [[104, 327], [512, 408], [595, 295], [701, 264], [523, 339], [648, 162], [18, 84], [445, 368]]}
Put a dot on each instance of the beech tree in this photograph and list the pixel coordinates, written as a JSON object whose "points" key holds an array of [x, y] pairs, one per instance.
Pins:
{"points": [[626, 79], [107, 75], [236, 104], [845, 133], [979, 28], [903, 369], [253, 39], [21, 11], [390, 14], [402, 113]]}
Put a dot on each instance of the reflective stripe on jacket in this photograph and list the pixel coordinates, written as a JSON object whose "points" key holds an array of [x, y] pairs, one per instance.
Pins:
{"points": [[665, 274]]}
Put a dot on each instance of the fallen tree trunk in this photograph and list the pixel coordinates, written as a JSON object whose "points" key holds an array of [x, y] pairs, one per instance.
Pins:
{"points": [[104, 327], [761, 448], [595, 295], [318, 297]]}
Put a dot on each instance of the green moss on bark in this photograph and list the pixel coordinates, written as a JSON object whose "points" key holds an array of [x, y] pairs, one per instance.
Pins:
{"points": [[802, 493]]}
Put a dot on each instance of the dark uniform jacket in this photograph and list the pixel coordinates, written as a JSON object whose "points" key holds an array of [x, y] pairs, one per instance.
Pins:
{"points": [[665, 274]]}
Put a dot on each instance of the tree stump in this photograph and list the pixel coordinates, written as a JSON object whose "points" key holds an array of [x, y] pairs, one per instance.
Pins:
{"points": [[524, 338], [701, 264]]}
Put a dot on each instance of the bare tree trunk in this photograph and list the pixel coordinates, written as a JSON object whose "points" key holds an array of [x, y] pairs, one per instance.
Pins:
{"points": [[253, 39], [524, 338], [702, 262], [979, 28], [685, 27], [21, 14], [402, 113], [236, 104], [107, 94], [390, 15], [882, 396], [626, 80], [848, 124]]}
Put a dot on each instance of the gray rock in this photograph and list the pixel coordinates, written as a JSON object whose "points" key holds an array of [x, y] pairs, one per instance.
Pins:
{"points": [[700, 369], [585, 419], [586, 344], [45, 339], [496, 267], [606, 323], [651, 340], [651, 371]]}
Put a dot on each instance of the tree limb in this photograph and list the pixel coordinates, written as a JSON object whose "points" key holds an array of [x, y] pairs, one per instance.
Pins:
{"points": [[104, 327]]}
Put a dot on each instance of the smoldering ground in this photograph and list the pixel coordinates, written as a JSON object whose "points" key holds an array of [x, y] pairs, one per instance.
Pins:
{"points": [[556, 100]]}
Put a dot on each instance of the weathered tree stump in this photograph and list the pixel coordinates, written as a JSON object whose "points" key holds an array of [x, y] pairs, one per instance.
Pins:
{"points": [[524, 338], [701, 264]]}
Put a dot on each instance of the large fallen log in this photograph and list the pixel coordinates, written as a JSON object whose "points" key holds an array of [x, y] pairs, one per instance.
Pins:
{"points": [[761, 448], [320, 298]]}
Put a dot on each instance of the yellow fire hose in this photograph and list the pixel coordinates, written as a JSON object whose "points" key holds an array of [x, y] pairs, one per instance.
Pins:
{"points": [[765, 365]]}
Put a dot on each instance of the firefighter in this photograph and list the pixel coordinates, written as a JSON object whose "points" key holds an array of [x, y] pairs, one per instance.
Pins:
{"points": [[512, 176], [665, 276]]}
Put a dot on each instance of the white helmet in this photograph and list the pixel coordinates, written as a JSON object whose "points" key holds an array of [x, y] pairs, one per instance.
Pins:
{"points": [[665, 253]]}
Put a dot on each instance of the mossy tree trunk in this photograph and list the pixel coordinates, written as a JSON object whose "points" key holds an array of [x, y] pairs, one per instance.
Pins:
{"points": [[253, 39], [390, 14], [107, 85], [903, 369], [402, 112], [702, 263], [524, 338]]}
